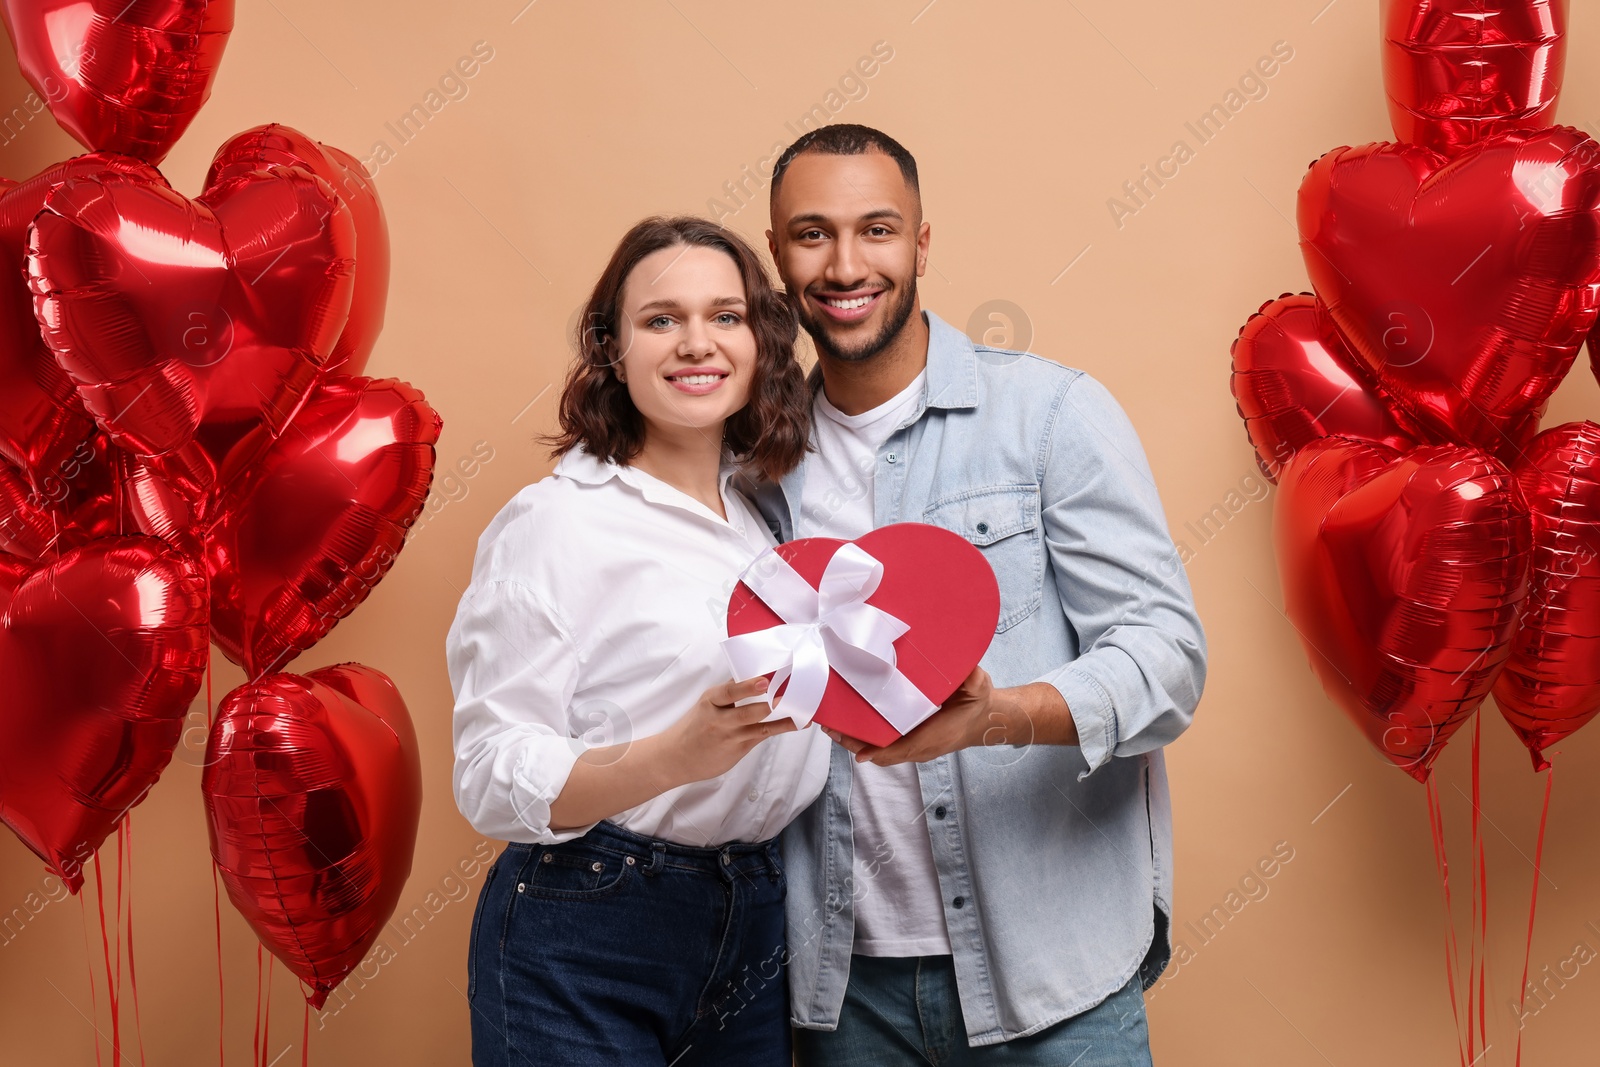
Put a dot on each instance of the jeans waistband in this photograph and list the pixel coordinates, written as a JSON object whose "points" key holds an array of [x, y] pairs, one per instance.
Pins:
{"points": [[733, 856]]}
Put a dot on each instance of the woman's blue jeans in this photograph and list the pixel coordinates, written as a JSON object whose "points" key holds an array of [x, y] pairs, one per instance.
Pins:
{"points": [[618, 949]]}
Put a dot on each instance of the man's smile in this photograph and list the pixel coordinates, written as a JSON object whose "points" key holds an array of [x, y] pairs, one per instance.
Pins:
{"points": [[844, 306]]}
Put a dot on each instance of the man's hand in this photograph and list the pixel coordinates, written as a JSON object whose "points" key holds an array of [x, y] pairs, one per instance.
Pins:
{"points": [[976, 714]]}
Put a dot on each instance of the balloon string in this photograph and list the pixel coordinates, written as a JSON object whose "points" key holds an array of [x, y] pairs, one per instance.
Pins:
{"points": [[105, 952], [1473, 973], [222, 1016], [133, 975], [266, 1016], [1451, 950], [216, 908], [116, 912], [305, 1038], [119, 493], [1533, 905], [1483, 888], [255, 1042], [88, 958]]}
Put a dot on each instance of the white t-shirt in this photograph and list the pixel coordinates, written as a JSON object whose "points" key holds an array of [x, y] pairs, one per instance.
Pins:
{"points": [[899, 909]]}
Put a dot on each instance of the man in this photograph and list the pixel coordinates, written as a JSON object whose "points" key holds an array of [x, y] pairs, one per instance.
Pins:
{"points": [[996, 885]]}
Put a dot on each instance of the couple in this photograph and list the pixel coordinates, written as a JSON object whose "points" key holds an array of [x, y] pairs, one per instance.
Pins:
{"points": [[995, 886]]}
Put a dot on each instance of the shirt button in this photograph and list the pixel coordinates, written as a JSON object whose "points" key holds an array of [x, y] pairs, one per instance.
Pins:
{"points": [[960, 902], [755, 794], [939, 812], [983, 527], [892, 457]]}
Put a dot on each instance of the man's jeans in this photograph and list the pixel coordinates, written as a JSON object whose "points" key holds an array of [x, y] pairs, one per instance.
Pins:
{"points": [[617, 949], [904, 1011]]}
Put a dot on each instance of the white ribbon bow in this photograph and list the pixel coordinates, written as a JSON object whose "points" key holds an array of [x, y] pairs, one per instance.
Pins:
{"points": [[831, 627]]}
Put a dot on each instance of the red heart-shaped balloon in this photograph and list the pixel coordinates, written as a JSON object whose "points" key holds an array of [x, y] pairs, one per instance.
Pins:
{"points": [[172, 496], [41, 419], [192, 322], [28, 526], [1459, 71], [101, 652], [1594, 351], [1403, 574], [1551, 684], [303, 534], [951, 618], [1466, 286], [281, 145], [1294, 382], [70, 507], [117, 75], [313, 791]]}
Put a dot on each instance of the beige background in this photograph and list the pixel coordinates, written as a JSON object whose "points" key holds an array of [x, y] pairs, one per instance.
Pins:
{"points": [[1025, 119]]}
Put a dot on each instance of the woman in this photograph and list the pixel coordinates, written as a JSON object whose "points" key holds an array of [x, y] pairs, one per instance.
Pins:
{"points": [[637, 915]]}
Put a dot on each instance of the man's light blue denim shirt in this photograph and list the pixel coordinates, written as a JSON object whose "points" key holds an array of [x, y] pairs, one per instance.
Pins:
{"points": [[1055, 862]]}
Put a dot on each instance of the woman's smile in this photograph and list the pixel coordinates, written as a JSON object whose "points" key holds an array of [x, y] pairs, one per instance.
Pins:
{"points": [[698, 382]]}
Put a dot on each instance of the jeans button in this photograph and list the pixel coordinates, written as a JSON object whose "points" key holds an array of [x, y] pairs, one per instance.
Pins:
{"points": [[725, 859]]}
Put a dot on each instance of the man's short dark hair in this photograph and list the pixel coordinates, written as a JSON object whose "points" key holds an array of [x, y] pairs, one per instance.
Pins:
{"points": [[847, 139]]}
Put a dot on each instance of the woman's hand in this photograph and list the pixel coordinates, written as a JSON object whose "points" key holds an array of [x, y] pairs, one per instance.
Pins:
{"points": [[710, 738], [714, 735]]}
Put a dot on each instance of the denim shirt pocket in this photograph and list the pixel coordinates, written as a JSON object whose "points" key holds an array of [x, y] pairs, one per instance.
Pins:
{"points": [[1003, 521]]}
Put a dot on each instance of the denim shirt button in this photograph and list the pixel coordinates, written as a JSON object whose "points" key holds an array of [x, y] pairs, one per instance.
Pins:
{"points": [[939, 812], [892, 457], [959, 902], [983, 527]]}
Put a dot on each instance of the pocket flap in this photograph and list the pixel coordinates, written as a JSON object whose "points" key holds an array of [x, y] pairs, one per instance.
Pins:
{"points": [[984, 516]]}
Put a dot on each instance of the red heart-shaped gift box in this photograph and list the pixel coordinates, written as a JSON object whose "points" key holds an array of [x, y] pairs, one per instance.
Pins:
{"points": [[935, 581]]}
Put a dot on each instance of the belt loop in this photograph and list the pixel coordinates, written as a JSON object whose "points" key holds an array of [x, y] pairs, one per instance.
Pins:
{"points": [[658, 857], [774, 867]]}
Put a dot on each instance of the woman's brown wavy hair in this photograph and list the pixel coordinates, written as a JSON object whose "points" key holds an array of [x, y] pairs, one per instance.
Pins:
{"points": [[767, 436]]}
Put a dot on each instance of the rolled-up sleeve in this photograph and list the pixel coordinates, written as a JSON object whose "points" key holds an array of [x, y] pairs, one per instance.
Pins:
{"points": [[1142, 652], [514, 669]]}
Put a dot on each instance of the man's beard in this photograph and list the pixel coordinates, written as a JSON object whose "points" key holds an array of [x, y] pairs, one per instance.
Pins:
{"points": [[898, 315]]}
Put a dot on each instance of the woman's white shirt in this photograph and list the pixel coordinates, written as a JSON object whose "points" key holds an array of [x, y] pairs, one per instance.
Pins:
{"points": [[594, 616]]}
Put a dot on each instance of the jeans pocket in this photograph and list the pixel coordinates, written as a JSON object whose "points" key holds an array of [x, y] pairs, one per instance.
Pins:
{"points": [[574, 870], [1003, 521], [473, 952]]}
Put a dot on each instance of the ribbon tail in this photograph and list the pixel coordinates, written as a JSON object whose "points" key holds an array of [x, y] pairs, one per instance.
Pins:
{"points": [[890, 693], [808, 680]]}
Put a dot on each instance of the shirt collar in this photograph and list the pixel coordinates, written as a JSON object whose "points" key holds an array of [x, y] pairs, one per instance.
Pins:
{"points": [[952, 382], [952, 366], [580, 465]]}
